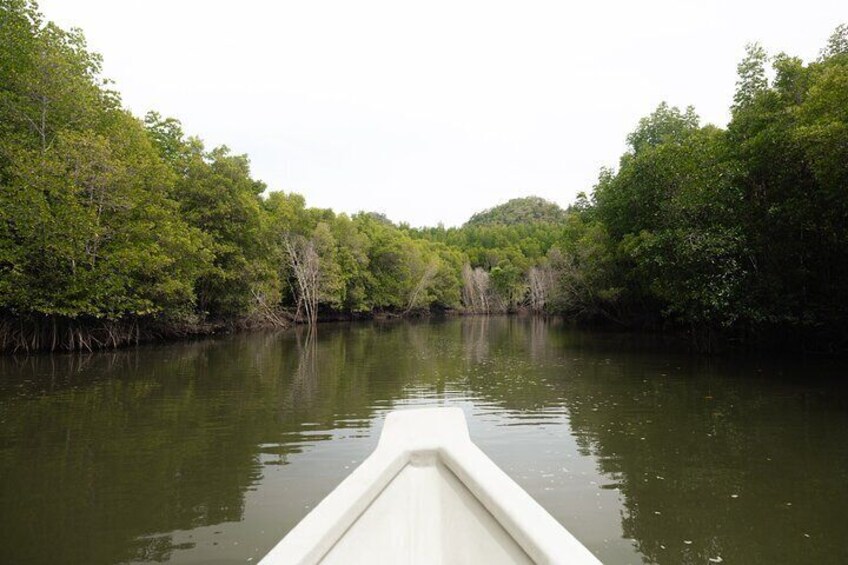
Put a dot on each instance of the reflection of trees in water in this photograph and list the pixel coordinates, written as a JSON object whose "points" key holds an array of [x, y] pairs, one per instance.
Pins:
{"points": [[711, 457], [304, 385], [130, 445], [507, 362], [110, 446], [475, 338], [678, 436], [119, 448], [538, 338], [709, 432], [47, 373]]}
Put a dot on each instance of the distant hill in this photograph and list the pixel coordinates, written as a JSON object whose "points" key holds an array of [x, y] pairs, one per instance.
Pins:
{"points": [[527, 210]]}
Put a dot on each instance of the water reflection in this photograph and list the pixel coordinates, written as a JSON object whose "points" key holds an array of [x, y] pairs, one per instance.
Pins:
{"points": [[720, 459], [211, 450]]}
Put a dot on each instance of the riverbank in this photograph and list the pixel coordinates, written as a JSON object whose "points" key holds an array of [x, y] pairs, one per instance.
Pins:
{"points": [[27, 336], [56, 334]]}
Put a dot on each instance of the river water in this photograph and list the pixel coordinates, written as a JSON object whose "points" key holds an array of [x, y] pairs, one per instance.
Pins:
{"points": [[210, 451]]}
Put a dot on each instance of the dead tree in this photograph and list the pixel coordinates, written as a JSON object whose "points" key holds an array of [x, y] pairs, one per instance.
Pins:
{"points": [[306, 268], [540, 281], [475, 289]]}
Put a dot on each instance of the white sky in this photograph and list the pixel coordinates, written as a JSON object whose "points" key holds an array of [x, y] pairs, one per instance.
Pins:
{"points": [[430, 111]]}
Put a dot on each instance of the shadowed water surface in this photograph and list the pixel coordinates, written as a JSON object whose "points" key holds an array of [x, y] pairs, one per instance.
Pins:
{"points": [[209, 452]]}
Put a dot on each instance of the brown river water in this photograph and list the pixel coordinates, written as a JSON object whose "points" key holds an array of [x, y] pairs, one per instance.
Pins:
{"points": [[210, 451]]}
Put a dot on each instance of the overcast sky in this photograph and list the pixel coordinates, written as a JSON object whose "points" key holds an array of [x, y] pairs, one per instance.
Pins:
{"points": [[430, 111]]}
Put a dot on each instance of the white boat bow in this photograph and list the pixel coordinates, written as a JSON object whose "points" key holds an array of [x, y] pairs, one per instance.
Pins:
{"points": [[427, 494]]}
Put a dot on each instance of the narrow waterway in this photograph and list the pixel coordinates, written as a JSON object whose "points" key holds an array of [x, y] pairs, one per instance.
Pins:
{"points": [[209, 452]]}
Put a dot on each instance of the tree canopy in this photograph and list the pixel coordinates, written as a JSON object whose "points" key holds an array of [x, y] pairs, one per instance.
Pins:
{"points": [[111, 225], [518, 211]]}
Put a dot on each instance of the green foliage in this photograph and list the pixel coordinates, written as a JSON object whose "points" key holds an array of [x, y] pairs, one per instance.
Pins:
{"points": [[837, 43], [752, 79], [353, 264], [665, 125], [217, 196], [743, 230], [103, 217], [86, 225], [680, 228], [590, 277], [519, 211]]}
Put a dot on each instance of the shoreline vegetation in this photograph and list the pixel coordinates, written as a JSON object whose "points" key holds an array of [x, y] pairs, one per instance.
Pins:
{"points": [[116, 229]]}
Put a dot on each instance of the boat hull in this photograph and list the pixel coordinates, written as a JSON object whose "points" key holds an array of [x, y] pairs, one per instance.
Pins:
{"points": [[428, 495]]}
